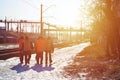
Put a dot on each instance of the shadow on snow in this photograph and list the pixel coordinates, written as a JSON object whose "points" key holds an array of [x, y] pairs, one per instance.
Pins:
{"points": [[20, 68], [38, 68]]}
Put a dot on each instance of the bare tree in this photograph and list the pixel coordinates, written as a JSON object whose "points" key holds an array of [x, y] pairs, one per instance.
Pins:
{"points": [[105, 15]]}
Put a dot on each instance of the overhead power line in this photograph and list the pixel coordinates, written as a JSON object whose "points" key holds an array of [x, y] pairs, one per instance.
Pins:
{"points": [[30, 4]]}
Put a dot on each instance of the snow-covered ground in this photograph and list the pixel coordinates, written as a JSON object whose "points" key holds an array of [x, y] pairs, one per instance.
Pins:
{"points": [[10, 69]]}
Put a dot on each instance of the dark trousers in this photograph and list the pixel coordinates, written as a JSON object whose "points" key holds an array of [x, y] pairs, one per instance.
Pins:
{"points": [[21, 56], [26, 55], [39, 58], [48, 57]]}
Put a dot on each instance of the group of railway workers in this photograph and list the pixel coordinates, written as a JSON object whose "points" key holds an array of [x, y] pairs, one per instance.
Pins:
{"points": [[40, 46]]}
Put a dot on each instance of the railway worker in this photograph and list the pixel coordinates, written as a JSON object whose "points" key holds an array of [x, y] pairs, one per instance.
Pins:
{"points": [[40, 47], [27, 49], [49, 50], [21, 47]]}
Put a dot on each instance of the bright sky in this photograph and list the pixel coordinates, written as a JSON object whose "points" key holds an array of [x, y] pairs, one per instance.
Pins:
{"points": [[61, 12]]}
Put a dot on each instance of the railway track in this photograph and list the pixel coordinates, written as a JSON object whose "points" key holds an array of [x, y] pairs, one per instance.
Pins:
{"points": [[8, 50], [8, 53]]}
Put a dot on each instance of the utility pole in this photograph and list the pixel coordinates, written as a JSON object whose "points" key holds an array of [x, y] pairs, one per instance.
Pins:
{"points": [[41, 16], [41, 23]]}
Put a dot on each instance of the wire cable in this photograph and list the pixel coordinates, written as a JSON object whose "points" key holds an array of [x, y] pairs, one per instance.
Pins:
{"points": [[30, 4]]}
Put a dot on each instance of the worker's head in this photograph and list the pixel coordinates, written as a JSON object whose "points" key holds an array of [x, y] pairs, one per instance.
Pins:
{"points": [[26, 37], [21, 37], [40, 36], [49, 37]]}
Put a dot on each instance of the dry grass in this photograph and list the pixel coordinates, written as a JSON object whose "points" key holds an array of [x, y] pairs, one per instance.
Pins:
{"points": [[95, 64]]}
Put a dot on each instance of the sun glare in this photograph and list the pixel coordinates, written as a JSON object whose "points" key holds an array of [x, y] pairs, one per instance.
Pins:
{"points": [[67, 13]]}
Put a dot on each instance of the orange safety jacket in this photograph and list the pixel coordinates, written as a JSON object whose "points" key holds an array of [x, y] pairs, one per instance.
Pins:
{"points": [[40, 45], [21, 44], [27, 45], [49, 44]]}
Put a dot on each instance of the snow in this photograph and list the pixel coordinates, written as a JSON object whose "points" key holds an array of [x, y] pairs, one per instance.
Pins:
{"points": [[10, 69]]}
